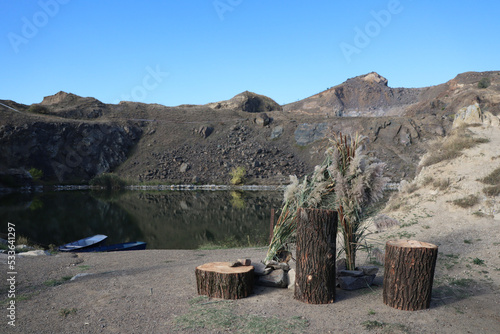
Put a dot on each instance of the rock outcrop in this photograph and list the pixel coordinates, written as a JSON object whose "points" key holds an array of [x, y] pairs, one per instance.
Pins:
{"points": [[249, 102], [366, 95], [474, 115], [67, 151]]}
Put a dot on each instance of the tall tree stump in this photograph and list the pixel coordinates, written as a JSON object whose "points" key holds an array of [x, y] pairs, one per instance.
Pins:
{"points": [[220, 280], [409, 273], [316, 249]]}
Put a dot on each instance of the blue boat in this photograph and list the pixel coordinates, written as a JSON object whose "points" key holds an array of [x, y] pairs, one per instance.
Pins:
{"points": [[84, 243], [126, 246]]}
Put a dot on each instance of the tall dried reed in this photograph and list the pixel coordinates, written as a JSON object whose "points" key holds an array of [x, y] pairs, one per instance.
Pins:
{"points": [[347, 181]]}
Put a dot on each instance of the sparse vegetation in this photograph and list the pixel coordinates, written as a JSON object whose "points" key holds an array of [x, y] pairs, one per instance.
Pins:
{"points": [[56, 282], [466, 202], [384, 327], [238, 175], [462, 282], [38, 109], [108, 181], [220, 316], [84, 267], [478, 262], [347, 181], [452, 147], [36, 174], [233, 242], [427, 180], [492, 179], [485, 82], [492, 191], [411, 188], [64, 312], [373, 324], [441, 184]]}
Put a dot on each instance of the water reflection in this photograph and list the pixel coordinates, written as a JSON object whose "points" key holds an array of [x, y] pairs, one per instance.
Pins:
{"points": [[165, 220]]}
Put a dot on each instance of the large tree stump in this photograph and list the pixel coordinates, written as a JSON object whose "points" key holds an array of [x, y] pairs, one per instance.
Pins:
{"points": [[316, 244], [219, 280], [409, 273]]}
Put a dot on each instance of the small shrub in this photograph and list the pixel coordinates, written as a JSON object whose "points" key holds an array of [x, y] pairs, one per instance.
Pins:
{"points": [[238, 175], [441, 184], [493, 178], [411, 188], [108, 181], [38, 109], [427, 180], [492, 191], [484, 83], [56, 282], [477, 261], [466, 202], [373, 324], [453, 146], [35, 173], [64, 312], [22, 240]]}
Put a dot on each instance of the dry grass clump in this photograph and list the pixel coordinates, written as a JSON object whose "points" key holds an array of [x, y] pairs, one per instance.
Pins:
{"points": [[348, 181], [461, 139], [427, 180], [383, 222], [441, 184], [492, 179], [492, 191], [466, 202], [411, 188]]}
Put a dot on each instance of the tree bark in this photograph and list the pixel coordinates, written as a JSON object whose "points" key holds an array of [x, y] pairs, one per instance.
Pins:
{"points": [[316, 249], [219, 280], [409, 273]]}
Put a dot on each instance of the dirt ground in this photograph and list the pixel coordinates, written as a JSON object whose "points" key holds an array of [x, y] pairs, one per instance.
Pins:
{"points": [[154, 291]]}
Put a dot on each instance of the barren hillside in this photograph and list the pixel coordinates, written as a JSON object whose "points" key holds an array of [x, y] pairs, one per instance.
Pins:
{"points": [[454, 203], [73, 139]]}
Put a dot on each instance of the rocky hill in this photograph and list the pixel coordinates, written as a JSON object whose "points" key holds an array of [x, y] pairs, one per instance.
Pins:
{"points": [[72, 138]]}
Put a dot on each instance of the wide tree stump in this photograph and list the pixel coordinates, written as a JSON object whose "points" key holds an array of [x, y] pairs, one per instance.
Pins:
{"points": [[409, 273], [219, 280], [316, 249]]}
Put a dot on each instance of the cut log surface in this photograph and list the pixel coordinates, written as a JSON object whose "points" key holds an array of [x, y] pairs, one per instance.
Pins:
{"points": [[220, 280], [316, 250], [409, 274]]}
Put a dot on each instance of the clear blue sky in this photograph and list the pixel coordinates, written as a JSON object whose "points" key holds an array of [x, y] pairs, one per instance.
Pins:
{"points": [[174, 52]]}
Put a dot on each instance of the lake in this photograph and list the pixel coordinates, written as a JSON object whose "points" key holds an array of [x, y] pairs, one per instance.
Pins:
{"points": [[164, 219]]}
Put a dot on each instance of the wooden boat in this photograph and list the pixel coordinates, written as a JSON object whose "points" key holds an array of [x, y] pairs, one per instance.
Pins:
{"points": [[84, 243], [126, 246]]}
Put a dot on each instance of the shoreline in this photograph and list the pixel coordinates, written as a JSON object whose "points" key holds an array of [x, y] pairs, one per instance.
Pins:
{"points": [[161, 187]]}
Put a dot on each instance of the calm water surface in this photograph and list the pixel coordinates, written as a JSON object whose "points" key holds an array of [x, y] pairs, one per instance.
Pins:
{"points": [[165, 220]]}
